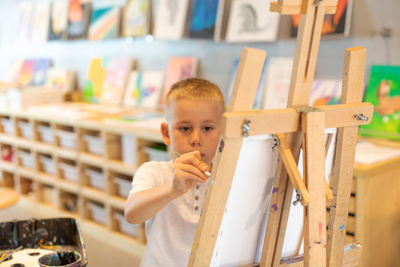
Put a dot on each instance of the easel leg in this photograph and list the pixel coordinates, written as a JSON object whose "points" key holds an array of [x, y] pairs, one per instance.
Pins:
{"points": [[342, 173], [315, 213]]}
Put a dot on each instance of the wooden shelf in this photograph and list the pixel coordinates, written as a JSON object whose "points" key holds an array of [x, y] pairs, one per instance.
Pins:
{"points": [[7, 166], [94, 194], [43, 187], [121, 167]]}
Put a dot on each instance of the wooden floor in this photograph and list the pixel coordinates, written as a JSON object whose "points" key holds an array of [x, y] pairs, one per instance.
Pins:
{"points": [[103, 248]]}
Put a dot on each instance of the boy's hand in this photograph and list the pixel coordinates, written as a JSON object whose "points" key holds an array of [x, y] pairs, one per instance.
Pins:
{"points": [[188, 170]]}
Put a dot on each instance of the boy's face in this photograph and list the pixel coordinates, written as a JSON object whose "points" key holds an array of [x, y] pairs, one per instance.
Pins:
{"points": [[193, 125]]}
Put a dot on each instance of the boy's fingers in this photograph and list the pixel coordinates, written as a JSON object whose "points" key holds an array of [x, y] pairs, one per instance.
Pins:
{"points": [[191, 176], [193, 160], [188, 168]]}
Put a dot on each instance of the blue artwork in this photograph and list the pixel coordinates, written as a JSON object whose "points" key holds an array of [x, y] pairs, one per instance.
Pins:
{"points": [[203, 18]]}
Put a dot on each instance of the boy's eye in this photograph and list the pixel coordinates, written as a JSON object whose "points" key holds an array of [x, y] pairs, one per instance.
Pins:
{"points": [[208, 128], [184, 129]]}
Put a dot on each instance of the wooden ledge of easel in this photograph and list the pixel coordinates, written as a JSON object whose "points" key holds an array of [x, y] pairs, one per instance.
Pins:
{"points": [[288, 120], [291, 7], [352, 253]]}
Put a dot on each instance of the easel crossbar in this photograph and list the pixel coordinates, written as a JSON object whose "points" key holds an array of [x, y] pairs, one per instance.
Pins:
{"points": [[289, 120]]}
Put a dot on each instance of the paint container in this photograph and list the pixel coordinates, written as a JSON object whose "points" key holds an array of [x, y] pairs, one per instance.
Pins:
{"points": [[61, 258]]}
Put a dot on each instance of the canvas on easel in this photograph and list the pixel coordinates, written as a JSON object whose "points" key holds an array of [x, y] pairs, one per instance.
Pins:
{"points": [[293, 128]]}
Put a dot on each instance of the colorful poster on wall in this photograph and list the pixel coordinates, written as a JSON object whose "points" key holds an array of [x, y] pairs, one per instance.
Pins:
{"points": [[144, 89], [179, 68], [203, 19], [58, 20], [383, 91], [250, 21], [334, 24]]}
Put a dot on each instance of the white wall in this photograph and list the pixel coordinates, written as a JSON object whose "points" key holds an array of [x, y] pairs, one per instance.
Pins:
{"points": [[369, 18]]}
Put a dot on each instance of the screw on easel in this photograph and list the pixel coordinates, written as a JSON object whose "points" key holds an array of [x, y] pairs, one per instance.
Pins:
{"points": [[246, 128], [298, 198], [361, 117], [317, 2], [276, 142]]}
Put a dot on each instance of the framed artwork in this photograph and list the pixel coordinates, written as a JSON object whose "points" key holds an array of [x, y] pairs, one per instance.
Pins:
{"points": [[144, 89], [24, 19], [383, 91], [58, 20], [171, 19], [104, 21], [40, 22], [203, 19], [251, 21], [94, 80], [136, 18], [334, 24], [179, 68], [78, 18]]}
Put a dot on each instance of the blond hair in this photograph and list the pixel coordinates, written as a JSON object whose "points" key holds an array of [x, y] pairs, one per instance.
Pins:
{"points": [[194, 89]]}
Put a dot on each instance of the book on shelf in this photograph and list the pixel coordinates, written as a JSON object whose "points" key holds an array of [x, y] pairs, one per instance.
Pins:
{"points": [[325, 92], [78, 18], [143, 89], [40, 22], [170, 19], [114, 84], [203, 17], [61, 79], [104, 20], [277, 82], [12, 76], [136, 18], [58, 20], [333, 24], [178, 68], [95, 77], [40, 71], [383, 91], [251, 21], [26, 72], [24, 19]]}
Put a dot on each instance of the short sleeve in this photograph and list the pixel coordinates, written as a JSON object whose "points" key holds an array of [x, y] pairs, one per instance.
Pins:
{"points": [[149, 175]]}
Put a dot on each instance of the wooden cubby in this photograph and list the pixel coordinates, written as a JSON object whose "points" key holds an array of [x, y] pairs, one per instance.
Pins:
{"points": [[65, 144]]}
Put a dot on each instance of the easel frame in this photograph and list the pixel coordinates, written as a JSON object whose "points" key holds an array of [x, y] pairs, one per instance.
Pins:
{"points": [[321, 249]]}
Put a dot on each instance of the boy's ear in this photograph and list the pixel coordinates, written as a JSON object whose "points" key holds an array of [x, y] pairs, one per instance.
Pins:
{"points": [[165, 133]]}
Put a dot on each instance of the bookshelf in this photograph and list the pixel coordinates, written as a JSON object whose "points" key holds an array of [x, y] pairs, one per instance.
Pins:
{"points": [[76, 167]]}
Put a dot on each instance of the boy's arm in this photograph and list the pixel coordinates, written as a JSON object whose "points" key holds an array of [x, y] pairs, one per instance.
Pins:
{"points": [[188, 170], [143, 205]]}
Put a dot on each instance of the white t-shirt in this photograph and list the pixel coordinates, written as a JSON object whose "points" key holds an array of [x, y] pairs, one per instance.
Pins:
{"points": [[170, 233]]}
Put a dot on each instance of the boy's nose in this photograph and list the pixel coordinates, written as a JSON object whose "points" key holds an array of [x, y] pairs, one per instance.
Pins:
{"points": [[195, 138]]}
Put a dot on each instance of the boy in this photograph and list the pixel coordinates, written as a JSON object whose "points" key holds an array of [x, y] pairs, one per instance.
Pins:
{"points": [[169, 195]]}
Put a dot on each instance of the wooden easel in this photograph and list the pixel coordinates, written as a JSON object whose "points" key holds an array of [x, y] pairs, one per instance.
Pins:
{"points": [[295, 128]]}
